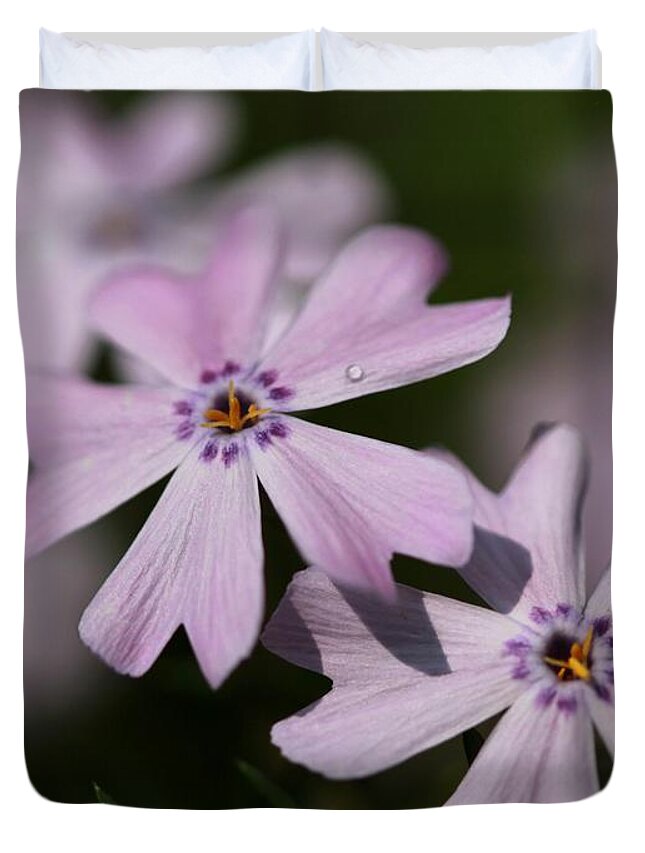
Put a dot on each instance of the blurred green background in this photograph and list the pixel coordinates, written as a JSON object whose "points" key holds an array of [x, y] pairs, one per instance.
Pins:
{"points": [[520, 187]]}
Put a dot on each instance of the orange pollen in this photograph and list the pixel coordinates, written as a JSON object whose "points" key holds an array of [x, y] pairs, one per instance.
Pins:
{"points": [[578, 663], [233, 419]]}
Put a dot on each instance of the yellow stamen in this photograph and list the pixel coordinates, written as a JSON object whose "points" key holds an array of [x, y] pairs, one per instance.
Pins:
{"points": [[233, 419], [579, 669], [556, 662], [215, 415], [586, 646], [578, 663], [576, 651], [235, 422]]}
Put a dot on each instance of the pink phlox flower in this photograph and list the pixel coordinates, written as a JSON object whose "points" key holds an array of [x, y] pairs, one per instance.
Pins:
{"points": [[223, 420], [410, 675]]}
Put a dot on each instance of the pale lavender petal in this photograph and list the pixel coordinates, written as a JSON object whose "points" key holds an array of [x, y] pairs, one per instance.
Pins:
{"points": [[70, 418], [601, 701], [287, 304], [368, 313], [183, 325], [599, 604], [356, 638], [224, 608], [323, 194], [95, 446], [349, 502], [527, 539], [406, 676], [360, 730], [54, 278], [542, 504], [603, 715], [151, 315], [500, 567], [169, 139], [197, 561], [239, 285], [534, 755]]}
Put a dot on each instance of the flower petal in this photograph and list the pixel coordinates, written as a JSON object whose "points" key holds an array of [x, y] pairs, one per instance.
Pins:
{"points": [[601, 704], [150, 314], [61, 152], [604, 718], [169, 139], [527, 548], [599, 603], [197, 561], [54, 279], [542, 504], [406, 676], [368, 311], [349, 502], [534, 755], [360, 730], [354, 637], [323, 194], [95, 446], [183, 325]]}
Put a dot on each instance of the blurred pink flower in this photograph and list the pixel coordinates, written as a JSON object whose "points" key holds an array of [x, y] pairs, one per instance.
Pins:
{"points": [[560, 368], [561, 375], [349, 502], [322, 193], [94, 195], [410, 675]]}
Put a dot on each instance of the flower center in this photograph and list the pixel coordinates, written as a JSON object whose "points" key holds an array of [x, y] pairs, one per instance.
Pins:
{"points": [[577, 664], [233, 420]]}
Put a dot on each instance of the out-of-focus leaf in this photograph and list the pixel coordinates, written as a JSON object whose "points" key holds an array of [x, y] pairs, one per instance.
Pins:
{"points": [[268, 790], [101, 796], [473, 742]]}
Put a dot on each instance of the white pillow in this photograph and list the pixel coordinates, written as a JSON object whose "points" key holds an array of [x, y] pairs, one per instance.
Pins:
{"points": [[567, 62], [286, 62]]}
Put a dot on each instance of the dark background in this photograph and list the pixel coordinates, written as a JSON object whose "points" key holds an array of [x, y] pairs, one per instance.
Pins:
{"points": [[520, 187]]}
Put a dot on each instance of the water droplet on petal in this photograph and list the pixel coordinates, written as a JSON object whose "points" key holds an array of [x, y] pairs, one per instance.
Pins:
{"points": [[354, 372]]}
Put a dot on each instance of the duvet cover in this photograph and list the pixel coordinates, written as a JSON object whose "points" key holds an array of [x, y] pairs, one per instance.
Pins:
{"points": [[319, 419]]}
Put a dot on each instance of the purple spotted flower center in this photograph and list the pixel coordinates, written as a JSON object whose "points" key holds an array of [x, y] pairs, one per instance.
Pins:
{"points": [[233, 411], [568, 657], [564, 652], [230, 407]]}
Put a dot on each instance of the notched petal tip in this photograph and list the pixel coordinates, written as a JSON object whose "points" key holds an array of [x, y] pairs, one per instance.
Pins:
{"points": [[216, 674], [124, 663]]}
